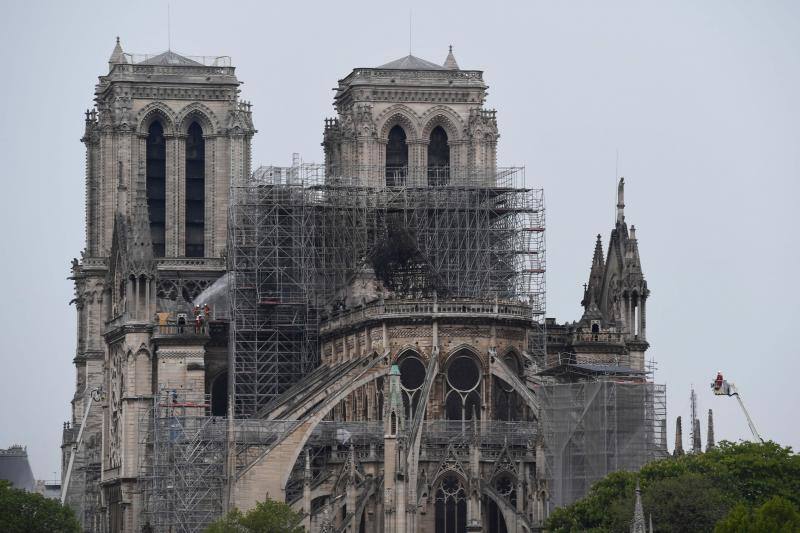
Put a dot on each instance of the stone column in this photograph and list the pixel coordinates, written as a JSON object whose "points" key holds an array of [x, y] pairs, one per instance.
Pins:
{"points": [[180, 180], [172, 201]]}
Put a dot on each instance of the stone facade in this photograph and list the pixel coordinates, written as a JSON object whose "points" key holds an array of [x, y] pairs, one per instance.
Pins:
{"points": [[122, 280], [436, 422]]}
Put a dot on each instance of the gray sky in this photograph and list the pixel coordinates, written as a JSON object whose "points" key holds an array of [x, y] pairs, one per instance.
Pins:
{"points": [[700, 99]]}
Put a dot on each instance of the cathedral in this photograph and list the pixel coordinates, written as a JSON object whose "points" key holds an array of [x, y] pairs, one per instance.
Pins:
{"points": [[363, 339]]}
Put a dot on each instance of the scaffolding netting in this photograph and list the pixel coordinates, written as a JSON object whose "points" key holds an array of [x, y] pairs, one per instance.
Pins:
{"points": [[594, 428], [298, 237]]}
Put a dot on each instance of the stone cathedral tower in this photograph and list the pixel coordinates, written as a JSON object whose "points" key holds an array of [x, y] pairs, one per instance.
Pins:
{"points": [[412, 122], [167, 136]]}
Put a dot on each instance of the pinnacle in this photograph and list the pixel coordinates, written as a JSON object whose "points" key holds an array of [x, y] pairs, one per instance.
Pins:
{"points": [[450, 63]]}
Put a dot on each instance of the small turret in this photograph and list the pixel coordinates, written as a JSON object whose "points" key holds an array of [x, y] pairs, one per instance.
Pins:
{"points": [[621, 201], [595, 286], [117, 56], [450, 62]]}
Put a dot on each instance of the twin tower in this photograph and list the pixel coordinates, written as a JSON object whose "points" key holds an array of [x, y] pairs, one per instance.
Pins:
{"points": [[166, 140]]}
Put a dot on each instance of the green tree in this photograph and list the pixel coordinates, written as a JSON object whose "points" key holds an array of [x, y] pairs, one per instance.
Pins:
{"points": [[25, 512], [266, 517], [691, 491], [776, 515]]}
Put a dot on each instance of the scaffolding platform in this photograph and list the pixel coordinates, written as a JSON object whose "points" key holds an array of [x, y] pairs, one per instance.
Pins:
{"points": [[299, 236]]}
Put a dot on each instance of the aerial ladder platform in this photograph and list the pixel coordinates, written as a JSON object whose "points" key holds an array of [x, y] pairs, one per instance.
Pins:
{"points": [[721, 387]]}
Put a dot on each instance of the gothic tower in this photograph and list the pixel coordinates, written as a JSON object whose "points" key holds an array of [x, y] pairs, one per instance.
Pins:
{"points": [[412, 122], [165, 140]]}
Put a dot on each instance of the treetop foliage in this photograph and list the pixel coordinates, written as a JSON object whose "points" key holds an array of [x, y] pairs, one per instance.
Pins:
{"points": [[735, 481], [27, 512]]}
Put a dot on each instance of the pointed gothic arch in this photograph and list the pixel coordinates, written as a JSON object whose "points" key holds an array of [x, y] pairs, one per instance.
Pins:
{"points": [[156, 183], [156, 111], [200, 113], [195, 193]]}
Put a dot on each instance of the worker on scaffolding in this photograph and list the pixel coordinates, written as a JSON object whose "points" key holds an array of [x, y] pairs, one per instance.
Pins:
{"points": [[198, 322], [207, 312]]}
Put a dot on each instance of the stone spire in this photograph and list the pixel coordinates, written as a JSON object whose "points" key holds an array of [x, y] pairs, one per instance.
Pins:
{"points": [[696, 443], [632, 261], [710, 432], [450, 62], [593, 289], [637, 524], [678, 438], [116, 55], [621, 201]]}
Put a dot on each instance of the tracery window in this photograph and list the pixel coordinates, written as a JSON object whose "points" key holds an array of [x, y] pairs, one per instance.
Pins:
{"points": [[195, 191], [438, 158], [451, 505], [463, 397], [396, 157], [156, 183], [504, 485], [412, 378]]}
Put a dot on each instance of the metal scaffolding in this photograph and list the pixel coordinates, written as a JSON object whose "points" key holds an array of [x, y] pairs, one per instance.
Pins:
{"points": [[183, 475], [593, 428], [299, 237]]}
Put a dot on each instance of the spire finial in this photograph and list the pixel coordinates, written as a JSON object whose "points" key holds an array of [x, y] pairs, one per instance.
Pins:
{"points": [[638, 525], [450, 62], [116, 54], [621, 201]]}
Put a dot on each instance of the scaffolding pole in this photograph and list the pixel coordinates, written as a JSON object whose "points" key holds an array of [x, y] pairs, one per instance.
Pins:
{"points": [[593, 428], [299, 236]]}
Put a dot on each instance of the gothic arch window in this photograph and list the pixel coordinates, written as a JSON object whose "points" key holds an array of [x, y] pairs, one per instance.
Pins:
{"points": [[463, 380], [396, 157], [412, 378], [195, 191], [438, 158], [505, 487], [450, 500], [156, 183]]}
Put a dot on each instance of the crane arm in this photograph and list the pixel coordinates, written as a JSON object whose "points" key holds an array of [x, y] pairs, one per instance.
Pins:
{"points": [[93, 397], [749, 420]]}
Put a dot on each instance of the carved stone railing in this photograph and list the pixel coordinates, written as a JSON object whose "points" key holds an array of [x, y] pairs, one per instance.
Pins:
{"points": [[607, 337], [390, 309], [175, 330]]}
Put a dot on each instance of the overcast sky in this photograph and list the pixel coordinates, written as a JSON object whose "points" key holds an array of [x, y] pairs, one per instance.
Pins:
{"points": [[700, 100]]}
